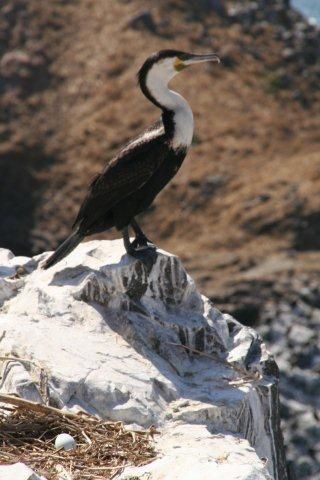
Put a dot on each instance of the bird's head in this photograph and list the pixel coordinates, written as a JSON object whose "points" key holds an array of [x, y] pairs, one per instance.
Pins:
{"points": [[167, 63], [162, 66]]}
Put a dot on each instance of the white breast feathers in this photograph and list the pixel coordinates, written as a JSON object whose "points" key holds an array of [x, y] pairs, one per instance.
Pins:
{"points": [[183, 121]]}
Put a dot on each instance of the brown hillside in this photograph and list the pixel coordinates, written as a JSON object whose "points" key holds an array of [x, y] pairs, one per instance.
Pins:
{"points": [[245, 202]]}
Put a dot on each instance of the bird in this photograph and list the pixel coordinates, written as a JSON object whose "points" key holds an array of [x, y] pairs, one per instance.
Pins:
{"points": [[129, 183]]}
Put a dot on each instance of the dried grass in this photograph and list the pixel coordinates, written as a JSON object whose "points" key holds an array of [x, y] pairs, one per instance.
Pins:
{"points": [[103, 448]]}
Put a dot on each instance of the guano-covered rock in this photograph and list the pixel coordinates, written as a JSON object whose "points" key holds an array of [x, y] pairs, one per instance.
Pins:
{"points": [[137, 342]]}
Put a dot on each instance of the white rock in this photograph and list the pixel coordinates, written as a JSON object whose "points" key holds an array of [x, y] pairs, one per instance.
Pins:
{"points": [[18, 471], [116, 339], [16, 380], [190, 452], [8, 267]]}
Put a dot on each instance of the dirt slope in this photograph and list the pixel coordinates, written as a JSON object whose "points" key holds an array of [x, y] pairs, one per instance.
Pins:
{"points": [[248, 190]]}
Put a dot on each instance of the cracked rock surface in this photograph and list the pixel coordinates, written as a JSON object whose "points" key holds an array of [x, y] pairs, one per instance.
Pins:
{"points": [[140, 344]]}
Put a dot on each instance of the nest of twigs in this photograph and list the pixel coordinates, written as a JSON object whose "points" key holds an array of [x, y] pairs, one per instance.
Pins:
{"points": [[103, 448]]}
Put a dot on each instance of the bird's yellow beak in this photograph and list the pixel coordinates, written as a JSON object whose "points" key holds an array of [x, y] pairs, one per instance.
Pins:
{"points": [[179, 65]]}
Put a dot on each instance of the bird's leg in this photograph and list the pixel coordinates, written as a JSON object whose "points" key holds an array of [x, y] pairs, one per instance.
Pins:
{"points": [[126, 240], [141, 239], [147, 256], [137, 230]]}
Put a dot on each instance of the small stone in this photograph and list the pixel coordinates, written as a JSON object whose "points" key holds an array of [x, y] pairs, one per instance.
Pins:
{"points": [[289, 54], [303, 466], [301, 335], [142, 19], [218, 6], [212, 183], [230, 55]]}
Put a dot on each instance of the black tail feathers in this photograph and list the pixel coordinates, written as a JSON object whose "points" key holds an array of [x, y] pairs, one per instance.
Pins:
{"points": [[64, 249]]}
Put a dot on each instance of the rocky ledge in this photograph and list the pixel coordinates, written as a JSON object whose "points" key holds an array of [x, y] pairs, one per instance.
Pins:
{"points": [[137, 342]]}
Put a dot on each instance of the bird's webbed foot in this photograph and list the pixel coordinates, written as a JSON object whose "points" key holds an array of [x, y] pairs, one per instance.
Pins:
{"points": [[141, 248], [141, 241]]}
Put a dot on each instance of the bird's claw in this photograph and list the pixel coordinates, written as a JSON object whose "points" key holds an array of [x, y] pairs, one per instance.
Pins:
{"points": [[143, 251], [142, 243], [143, 247]]}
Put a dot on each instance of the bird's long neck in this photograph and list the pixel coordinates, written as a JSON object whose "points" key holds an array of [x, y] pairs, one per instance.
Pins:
{"points": [[177, 114]]}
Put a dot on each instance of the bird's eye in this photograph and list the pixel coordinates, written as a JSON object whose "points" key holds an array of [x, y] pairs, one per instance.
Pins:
{"points": [[179, 64]]}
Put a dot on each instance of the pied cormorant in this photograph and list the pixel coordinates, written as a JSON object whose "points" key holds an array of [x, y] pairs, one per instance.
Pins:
{"points": [[130, 182]]}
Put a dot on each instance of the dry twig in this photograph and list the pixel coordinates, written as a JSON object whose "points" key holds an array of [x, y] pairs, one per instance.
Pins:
{"points": [[27, 435]]}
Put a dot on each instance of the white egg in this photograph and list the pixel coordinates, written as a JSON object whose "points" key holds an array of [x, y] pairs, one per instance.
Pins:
{"points": [[65, 441]]}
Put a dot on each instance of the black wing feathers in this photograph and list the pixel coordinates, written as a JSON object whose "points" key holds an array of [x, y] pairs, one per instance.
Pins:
{"points": [[126, 173]]}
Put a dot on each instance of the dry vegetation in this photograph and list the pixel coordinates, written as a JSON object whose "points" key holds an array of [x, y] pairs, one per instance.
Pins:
{"points": [[102, 449]]}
